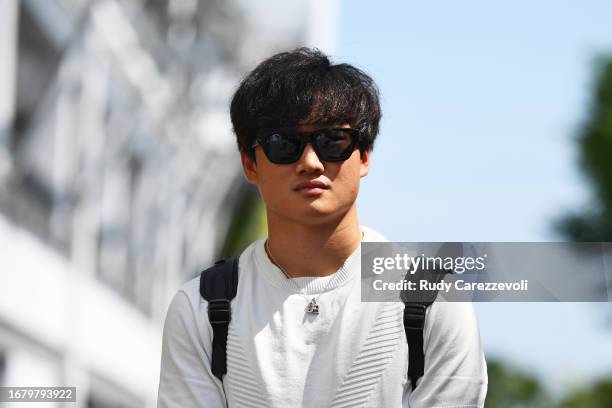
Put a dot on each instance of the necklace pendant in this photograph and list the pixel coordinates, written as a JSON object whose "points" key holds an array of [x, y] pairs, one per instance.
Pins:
{"points": [[313, 307]]}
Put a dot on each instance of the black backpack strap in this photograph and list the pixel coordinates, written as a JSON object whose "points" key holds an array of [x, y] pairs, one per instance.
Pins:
{"points": [[218, 285], [414, 322], [415, 308]]}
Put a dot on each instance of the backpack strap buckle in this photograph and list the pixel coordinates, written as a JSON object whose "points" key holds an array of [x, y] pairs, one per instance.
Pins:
{"points": [[219, 311], [414, 316]]}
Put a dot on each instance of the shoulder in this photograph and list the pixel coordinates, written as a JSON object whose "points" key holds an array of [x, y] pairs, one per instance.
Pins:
{"points": [[455, 367], [371, 235], [189, 292], [185, 311], [452, 318], [188, 304], [451, 328]]}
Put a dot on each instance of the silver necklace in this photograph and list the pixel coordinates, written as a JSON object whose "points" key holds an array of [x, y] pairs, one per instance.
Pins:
{"points": [[312, 307]]}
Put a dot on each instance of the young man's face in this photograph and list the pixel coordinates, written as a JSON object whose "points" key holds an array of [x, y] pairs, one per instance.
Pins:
{"points": [[278, 183]]}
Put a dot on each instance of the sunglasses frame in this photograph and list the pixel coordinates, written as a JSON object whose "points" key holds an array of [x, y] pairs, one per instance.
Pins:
{"points": [[309, 138]]}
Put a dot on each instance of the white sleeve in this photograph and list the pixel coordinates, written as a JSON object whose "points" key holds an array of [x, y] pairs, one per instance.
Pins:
{"points": [[186, 379], [455, 374]]}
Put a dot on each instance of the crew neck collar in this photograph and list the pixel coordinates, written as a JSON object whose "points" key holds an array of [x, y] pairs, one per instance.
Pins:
{"points": [[310, 285]]}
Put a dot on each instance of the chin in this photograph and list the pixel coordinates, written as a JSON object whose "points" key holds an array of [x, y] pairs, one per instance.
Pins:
{"points": [[313, 211], [319, 213], [319, 205]]}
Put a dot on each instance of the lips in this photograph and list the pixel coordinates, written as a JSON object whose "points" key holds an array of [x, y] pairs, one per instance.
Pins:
{"points": [[315, 184], [311, 188]]}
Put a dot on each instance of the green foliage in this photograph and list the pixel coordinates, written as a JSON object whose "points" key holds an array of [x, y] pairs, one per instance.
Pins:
{"points": [[248, 224], [595, 147], [511, 388], [599, 395]]}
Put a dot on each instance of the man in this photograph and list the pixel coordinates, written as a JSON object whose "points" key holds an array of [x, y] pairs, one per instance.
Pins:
{"points": [[299, 335]]}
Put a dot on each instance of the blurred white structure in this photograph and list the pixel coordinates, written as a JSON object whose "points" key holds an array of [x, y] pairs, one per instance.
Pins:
{"points": [[119, 174]]}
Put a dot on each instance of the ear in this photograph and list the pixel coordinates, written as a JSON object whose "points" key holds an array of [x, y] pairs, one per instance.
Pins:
{"points": [[249, 167], [365, 163]]}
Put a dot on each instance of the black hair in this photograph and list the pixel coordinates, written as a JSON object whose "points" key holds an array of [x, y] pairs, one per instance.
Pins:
{"points": [[302, 87]]}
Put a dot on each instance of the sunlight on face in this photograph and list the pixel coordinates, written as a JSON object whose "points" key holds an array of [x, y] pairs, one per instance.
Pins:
{"points": [[278, 184]]}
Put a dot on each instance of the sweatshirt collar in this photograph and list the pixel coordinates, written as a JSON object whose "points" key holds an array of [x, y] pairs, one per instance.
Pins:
{"points": [[310, 285]]}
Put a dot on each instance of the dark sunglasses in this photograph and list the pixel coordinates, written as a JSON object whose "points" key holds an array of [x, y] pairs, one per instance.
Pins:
{"points": [[287, 146]]}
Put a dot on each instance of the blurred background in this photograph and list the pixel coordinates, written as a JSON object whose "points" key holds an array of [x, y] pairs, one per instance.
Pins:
{"points": [[120, 177]]}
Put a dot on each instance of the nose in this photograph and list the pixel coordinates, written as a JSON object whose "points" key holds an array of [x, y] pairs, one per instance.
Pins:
{"points": [[309, 162]]}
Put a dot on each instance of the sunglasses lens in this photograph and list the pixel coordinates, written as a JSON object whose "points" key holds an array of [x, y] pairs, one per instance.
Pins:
{"points": [[334, 144], [330, 145], [282, 148]]}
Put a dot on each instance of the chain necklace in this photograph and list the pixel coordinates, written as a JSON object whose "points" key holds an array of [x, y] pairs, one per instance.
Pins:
{"points": [[312, 307]]}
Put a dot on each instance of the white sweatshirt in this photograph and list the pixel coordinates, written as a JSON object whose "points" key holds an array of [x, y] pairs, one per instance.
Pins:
{"points": [[351, 354]]}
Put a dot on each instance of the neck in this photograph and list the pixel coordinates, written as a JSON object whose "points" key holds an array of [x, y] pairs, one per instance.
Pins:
{"points": [[313, 250]]}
